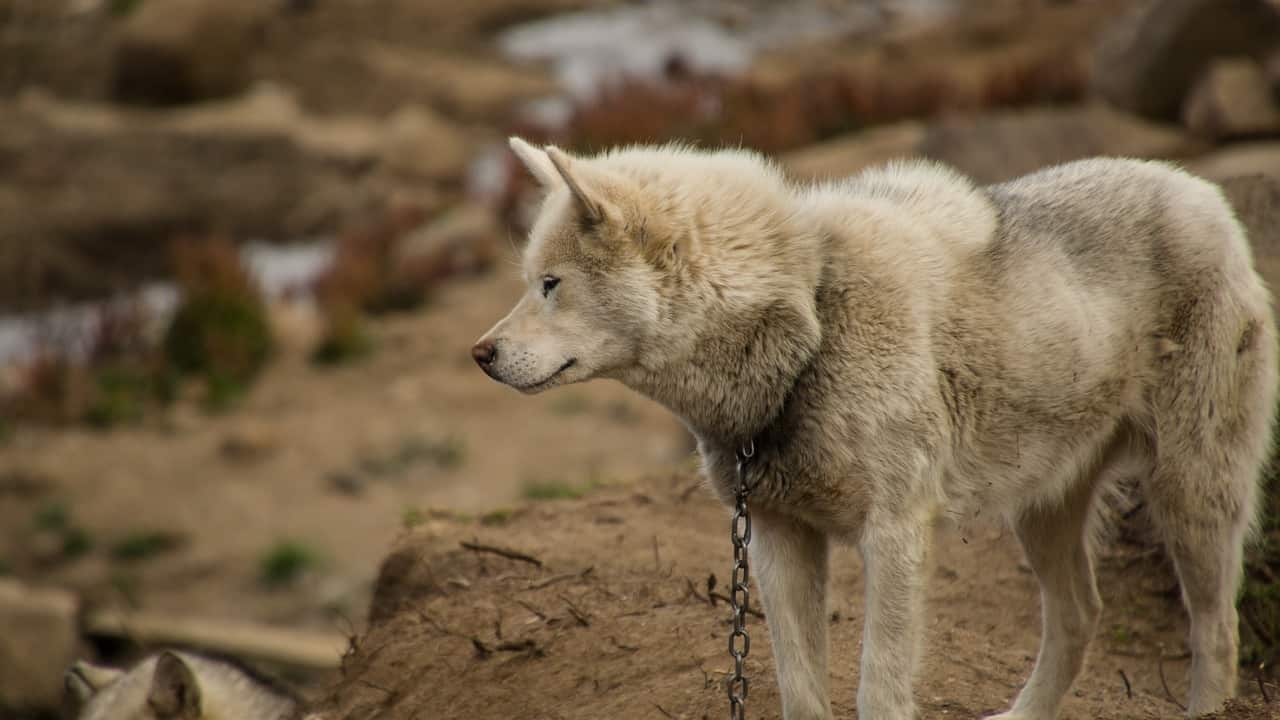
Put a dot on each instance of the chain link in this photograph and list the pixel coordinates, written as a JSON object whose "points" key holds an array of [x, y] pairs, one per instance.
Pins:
{"points": [[739, 595]]}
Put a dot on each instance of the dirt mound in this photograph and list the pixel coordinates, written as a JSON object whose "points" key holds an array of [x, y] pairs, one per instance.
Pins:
{"points": [[599, 607]]}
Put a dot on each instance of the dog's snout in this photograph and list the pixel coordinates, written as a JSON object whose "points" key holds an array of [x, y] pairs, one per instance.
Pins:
{"points": [[485, 352]]}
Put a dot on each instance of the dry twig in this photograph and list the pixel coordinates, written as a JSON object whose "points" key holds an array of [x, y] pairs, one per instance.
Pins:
{"points": [[504, 552]]}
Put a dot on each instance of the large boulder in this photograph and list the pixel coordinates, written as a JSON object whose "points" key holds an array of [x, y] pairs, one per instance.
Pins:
{"points": [[999, 146], [1254, 158], [1233, 98], [39, 639], [1148, 62], [178, 51], [90, 199]]}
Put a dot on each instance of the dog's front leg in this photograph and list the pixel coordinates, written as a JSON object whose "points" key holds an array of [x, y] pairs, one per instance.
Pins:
{"points": [[894, 553], [790, 559]]}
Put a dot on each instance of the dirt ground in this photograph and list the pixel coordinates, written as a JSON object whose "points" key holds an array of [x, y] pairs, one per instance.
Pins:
{"points": [[419, 427], [616, 622]]}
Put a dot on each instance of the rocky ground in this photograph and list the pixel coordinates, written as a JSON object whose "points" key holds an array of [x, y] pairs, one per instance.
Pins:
{"points": [[623, 617], [127, 124]]}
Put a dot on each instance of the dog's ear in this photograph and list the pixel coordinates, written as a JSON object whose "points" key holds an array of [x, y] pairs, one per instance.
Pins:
{"points": [[580, 185], [536, 161], [83, 680], [174, 691]]}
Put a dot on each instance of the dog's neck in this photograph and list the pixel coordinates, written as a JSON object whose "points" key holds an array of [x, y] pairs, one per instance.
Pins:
{"points": [[735, 379], [742, 321]]}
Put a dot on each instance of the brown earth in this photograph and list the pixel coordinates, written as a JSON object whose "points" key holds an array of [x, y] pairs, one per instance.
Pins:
{"points": [[337, 460], [616, 622]]}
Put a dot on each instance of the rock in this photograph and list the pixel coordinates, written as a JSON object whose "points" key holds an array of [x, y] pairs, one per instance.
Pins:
{"points": [[179, 51], [999, 146], [464, 241], [848, 154], [1232, 99], [420, 142], [39, 639], [1148, 62], [1240, 159], [90, 198]]}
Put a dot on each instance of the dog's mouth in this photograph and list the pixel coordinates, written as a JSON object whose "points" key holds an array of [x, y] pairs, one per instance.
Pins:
{"points": [[544, 383]]}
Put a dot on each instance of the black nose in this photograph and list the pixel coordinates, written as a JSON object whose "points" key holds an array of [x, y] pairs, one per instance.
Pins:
{"points": [[485, 352]]}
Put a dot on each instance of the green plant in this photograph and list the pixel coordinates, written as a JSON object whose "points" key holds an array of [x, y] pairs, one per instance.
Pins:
{"points": [[122, 8], [1260, 593], [412, 518], [120, 397], [144, 544], [345, 340], [286, 561], [220, 330], [52, 516], [496, 517], [555, 490], [76, 542]]}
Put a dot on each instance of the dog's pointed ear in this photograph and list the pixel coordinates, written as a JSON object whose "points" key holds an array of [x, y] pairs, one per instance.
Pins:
{"points": [[174, 691], [536, 160], [591, 207], [83, 680]]}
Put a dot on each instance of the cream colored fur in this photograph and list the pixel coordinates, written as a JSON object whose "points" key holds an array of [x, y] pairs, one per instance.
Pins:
{"points": [[903, 346], [190, 687]]}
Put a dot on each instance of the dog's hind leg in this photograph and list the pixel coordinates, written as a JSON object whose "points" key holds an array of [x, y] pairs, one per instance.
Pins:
{"points": [[1055, 539], [1202, 507], [1213, 419], [790, 560]]}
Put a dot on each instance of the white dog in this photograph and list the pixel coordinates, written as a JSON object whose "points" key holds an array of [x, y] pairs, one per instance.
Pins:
{"points": [[176, 686], [904, 345]]}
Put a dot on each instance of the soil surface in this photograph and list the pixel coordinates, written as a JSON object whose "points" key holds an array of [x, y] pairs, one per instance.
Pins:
{"points": [[419, 427], [616, 622]]}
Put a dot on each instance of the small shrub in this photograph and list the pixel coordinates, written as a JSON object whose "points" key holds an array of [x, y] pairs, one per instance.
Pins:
{"points": [[145, 544], [52, 516], [500, 516], [76, 542], [121, 396], [554, 490], [345, 338], [286, 561], [365, 274], [123, 8], [412, 518], [220, 331]]}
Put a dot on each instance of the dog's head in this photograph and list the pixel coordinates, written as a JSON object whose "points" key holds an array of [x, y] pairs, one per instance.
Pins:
{"points": [[593, 291]]}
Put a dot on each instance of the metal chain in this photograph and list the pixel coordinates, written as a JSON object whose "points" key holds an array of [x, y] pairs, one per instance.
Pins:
{"points": [[739, 596]]}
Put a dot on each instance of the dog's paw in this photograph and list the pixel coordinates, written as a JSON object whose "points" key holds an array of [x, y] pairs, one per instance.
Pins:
{"points": [[1008, 716]]}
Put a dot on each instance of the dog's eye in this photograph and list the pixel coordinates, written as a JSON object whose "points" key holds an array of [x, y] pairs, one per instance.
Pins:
{"points": [[549, 283]]}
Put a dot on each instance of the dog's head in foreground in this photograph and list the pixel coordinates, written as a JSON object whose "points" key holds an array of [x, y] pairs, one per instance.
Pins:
{"points": [[588, 296], [637, 257], [175, 686]]}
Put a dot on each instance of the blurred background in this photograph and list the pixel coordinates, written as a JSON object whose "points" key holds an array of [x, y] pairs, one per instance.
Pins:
{"points": [[245, 246]]}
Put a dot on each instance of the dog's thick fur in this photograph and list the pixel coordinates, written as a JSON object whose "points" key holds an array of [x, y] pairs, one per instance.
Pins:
{"points": [[904, 345], [176, 686]]}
